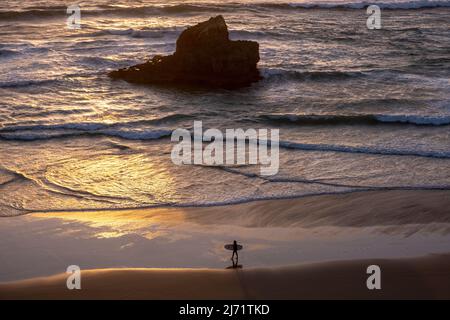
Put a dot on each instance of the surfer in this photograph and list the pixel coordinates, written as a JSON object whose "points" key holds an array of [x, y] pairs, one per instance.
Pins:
{"points": [[235, 247]]}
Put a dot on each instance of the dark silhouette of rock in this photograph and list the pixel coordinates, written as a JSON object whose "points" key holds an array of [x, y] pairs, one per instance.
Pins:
{"points": [[204, 56]]}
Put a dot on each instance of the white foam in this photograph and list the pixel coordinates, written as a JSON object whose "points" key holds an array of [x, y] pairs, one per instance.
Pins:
{"points": [[364, 149], [413, 119]]}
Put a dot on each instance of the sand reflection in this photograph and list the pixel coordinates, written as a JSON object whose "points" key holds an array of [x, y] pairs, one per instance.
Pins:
{"points": [[149, 224]]}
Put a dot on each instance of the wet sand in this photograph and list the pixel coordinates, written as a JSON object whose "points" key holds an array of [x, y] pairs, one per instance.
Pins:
{"points": [[413, 278]]}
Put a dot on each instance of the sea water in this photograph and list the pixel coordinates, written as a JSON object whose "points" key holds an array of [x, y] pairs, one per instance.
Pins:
{"points": [[357, 109]]}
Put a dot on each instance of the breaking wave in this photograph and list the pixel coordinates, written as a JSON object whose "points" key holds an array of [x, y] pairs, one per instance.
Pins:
{"points": [[362, 119], [56, 11], [138, 130], [365, 150]]}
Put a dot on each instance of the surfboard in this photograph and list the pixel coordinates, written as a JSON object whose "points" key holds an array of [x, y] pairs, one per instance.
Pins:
{"points": [[230, 247]]}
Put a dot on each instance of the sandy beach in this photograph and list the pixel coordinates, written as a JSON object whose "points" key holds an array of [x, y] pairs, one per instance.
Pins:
{"points": [[412, 229], [419, 278]]}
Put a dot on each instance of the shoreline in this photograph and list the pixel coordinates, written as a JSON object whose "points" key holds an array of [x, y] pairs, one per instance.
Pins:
{"points": [[409, 278], [240, 202], [358, 192]]}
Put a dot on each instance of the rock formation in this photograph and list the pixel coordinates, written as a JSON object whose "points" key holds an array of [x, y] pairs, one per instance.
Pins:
{"points": [[204, 56]]}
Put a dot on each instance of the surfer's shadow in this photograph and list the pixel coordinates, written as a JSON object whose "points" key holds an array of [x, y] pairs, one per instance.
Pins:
{"points": [[239, 266]]}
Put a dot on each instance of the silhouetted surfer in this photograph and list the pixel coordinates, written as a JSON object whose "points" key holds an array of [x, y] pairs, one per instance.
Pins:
{"points": [[235, 247]]}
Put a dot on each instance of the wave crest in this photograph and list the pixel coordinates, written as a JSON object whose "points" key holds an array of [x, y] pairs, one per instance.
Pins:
{"points": [[417, 4], [364, 150], [137, 130], [185, 8], [363, 119]]}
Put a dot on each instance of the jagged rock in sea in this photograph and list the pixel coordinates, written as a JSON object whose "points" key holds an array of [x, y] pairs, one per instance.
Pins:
{"points": [[204, 56]]}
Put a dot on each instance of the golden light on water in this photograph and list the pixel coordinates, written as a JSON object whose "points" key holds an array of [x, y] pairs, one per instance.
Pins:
{"points": [[134, 178]]}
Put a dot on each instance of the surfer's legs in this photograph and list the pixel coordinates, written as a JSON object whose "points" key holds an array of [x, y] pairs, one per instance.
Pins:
{"points": [[235, 263]]}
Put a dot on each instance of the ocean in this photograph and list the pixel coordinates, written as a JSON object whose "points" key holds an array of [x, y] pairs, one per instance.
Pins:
{"points": [[357, 109]]}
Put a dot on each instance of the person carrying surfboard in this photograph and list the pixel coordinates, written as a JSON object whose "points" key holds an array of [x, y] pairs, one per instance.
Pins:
{"points": [[235, 247]]}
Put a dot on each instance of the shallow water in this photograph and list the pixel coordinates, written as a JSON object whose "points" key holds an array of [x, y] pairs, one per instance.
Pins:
{"points": [[356, 108]]}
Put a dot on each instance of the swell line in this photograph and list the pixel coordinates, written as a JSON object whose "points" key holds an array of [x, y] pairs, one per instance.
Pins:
{"points": [[355, 119]]}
